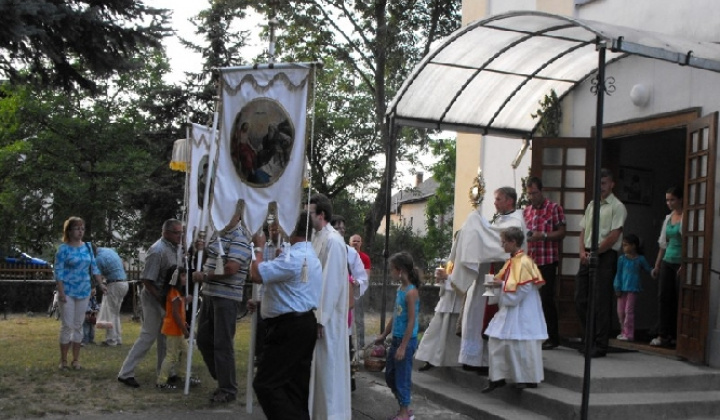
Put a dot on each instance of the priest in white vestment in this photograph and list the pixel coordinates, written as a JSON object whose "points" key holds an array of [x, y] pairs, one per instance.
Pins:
{"points": [[330, 380], [477, 247]]}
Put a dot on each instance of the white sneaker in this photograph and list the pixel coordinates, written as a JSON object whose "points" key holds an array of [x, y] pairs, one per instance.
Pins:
{"points": [[622, 337]]}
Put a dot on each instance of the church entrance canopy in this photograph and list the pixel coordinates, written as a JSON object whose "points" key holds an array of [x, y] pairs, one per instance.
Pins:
{"points": [[489, 76]]}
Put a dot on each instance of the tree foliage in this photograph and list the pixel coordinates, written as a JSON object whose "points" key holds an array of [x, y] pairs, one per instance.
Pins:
{"points": [[103, 159], [222, 46], [377, 44], [66, 43], [439, 210]]}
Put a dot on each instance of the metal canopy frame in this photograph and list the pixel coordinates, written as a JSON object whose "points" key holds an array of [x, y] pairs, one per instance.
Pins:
{"points": [[487, 77]]}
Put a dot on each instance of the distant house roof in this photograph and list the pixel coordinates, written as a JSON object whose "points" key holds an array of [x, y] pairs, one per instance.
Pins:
{"points": [[419, 193]]}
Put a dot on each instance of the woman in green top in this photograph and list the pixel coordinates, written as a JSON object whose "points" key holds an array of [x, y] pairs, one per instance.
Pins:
{"points": [[668, 268]]}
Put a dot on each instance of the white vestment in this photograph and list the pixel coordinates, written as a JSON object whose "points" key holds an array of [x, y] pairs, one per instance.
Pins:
{"points": [[440, 345], [516, 334], [478, 245], [330, 379]]}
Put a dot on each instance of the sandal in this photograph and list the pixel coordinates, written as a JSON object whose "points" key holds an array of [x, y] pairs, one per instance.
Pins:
{"points": [[63, 365], [76, 365], [165, 386]]}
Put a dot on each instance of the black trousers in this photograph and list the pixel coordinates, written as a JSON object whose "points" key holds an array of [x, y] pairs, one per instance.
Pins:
{"points": [[668, 292], [282, 382], [603, 293], [547, 296]]}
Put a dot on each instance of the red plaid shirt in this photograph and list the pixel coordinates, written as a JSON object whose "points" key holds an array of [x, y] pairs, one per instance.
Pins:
{"points": [[545, 219]]}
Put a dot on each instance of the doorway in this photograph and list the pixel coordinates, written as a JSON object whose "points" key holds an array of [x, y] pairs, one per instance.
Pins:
{"points": [[644, 166]]}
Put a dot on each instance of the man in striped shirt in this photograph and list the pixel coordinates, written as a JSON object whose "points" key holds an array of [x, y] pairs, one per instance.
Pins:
{"points": [[545, 221], [222, 294]]}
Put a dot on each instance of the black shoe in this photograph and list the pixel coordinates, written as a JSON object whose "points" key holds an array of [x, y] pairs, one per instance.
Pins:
{"points": [[470, 368], [131, 382], [483, 371], [493, 385], [549, 345], [524, 385], [353, 387], [597, 353], [426, 366]]}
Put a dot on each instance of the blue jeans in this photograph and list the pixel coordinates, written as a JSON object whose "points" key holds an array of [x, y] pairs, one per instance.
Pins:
{"points": [[398, 373]]}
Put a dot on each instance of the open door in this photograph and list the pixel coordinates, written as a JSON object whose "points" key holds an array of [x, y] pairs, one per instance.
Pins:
{"points": [[693, 305], [565, 166]]}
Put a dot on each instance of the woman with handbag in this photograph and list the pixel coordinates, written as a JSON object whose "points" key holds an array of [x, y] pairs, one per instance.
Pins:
{"points": [[74, 268]]}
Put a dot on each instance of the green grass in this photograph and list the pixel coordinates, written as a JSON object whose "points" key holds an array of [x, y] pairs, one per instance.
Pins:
{"points": [[31, 385]]}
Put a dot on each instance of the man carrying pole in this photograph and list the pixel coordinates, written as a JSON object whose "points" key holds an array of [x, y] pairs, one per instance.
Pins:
{"points": [[222, 294]]}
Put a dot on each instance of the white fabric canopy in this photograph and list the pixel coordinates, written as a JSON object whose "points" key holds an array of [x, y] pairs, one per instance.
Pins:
{"points": [[489, 76]]}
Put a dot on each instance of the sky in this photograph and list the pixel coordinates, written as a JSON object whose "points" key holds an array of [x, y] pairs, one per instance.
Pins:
{"points": [[183, 60]]}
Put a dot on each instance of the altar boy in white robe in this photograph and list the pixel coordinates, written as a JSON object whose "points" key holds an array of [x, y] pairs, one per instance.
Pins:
{"points": [[330, 380], [518, 329], [478, 246]]}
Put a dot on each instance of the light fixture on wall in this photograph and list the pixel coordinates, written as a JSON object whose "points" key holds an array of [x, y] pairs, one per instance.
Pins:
{"points": [[640, 95]]}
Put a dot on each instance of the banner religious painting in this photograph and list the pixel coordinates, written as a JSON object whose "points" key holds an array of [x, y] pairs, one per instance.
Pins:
{"points": [[262, 144]]}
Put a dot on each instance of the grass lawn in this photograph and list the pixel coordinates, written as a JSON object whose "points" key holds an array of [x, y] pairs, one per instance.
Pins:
{"points": [[31, 385]]}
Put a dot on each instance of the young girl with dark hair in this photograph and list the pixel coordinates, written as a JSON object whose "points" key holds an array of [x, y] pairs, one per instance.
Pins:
{"points": [[404, 328], [627, 284]]}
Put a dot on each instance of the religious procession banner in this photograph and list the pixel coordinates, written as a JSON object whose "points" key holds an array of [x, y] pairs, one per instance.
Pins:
{"points": [[261, 153], [199, 151]]}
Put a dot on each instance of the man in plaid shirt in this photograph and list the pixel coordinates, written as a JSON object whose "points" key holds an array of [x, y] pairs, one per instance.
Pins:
{"points": [[545, 222]]}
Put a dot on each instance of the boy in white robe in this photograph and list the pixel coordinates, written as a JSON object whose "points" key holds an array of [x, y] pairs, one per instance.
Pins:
{"points": [[518, 329]]}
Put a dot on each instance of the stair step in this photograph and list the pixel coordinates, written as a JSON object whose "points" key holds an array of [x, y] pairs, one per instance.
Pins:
{"points": [[470, 401]]}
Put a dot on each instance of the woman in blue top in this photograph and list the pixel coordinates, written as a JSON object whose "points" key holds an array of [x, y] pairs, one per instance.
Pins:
{"points": [[73, 263], [404, 328], [627, 284], [668, 269]]}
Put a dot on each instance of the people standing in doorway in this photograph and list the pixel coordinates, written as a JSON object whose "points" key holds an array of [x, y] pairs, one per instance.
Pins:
{"points": [[668, 269], [612, 219], [74, 263], [404, 328], [545, 221], [627, 284]]}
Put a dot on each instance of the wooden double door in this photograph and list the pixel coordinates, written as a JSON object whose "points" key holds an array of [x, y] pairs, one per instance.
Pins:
{"points": [[566, 167]]}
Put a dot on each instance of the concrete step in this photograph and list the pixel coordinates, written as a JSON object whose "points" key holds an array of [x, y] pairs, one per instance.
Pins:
{"points": [[469, 401], [629, 385]]}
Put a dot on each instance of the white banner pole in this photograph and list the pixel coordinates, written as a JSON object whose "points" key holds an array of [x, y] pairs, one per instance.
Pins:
{"points": [[203, 224]]}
